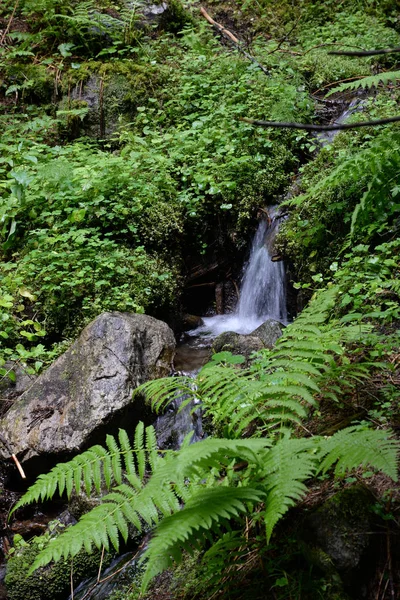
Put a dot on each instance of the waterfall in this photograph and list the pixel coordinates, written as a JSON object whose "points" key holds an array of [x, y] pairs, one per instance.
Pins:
{"points": [[263, 293], [263, 288]]}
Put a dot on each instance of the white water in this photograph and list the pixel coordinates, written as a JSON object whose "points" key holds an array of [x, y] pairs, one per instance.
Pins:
{"points": [[262, 295]]}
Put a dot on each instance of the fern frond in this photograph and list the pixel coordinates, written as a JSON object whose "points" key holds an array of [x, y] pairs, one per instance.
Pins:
{"points": [[355, 446], [161, 494], [201, 513], [289, 464], [367, 82], [96, 467], [161, 395]]}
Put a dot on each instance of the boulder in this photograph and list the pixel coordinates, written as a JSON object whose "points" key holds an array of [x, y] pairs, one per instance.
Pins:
{"points": [[265, 336], [269, 332], [87, 391]]}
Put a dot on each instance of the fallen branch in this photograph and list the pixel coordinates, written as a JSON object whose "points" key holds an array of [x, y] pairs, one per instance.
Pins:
{"points": [[364, 52], [233, 39], [311, 127]]}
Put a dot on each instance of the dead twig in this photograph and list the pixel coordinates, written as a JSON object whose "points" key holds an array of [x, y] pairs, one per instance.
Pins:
{"points": [[332, 44], [13, 456], [10, 20], [72, 579], [101, 564], [311, 127], [99, 581], [283, 40]]}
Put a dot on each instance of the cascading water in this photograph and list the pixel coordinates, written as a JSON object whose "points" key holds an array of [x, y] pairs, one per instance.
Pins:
{"points": [[263, 293]]}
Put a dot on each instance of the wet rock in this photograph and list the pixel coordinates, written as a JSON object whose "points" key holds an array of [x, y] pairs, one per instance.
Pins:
{"points": [[269, 332], [153, 14], [173, 426], [219, 299], [106, 101], [237, 343], [88, 390], [11, 389], [191, 321], [337, 534]]}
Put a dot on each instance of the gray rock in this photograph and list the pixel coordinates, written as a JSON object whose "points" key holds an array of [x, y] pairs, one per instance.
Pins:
{"points": [[152, 12], [105, 102], [269, 332], [237, 343], [88, 390]]}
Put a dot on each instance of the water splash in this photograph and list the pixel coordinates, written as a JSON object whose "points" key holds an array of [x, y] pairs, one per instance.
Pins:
{"points": [[263, 289]]}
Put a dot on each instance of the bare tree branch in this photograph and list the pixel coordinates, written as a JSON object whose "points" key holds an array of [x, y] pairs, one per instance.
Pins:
{"points": [[311, 127]]}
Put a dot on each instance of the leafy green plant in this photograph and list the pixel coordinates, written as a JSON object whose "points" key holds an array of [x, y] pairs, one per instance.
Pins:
{"points": [[280, 385]]}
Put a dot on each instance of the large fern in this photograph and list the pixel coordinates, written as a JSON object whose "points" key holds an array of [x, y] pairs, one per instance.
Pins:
{"points": [[376, 166]]}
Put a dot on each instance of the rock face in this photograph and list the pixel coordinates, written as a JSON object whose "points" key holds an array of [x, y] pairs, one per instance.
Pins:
{"points": [[237, 343], [88, 390]]}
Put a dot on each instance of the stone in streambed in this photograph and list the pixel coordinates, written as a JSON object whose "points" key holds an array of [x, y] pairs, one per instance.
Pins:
{"points": [[237, 343], [88, 390], [269, 332], [265, 336]]}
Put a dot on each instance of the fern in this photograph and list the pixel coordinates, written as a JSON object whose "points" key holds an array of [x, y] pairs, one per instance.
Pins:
{"points": [[356, 446], [377, 167], [96, 468], [367, 82], [182, 531], [201, 476]]}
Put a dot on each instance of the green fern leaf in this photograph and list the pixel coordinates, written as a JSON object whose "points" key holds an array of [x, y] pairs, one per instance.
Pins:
{"points": [[201, 513], [367, 82], [355, 446]]}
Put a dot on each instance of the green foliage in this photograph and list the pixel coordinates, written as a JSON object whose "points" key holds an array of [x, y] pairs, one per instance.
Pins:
{"points": [[367, 82], [357, 195]]}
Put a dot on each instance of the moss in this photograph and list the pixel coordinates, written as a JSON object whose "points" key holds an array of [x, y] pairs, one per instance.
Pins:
{"points": [[48, 583]]}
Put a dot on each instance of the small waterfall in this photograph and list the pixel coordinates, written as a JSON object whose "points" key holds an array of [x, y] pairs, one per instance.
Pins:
{"points": [[263, 293], [263, 288]]}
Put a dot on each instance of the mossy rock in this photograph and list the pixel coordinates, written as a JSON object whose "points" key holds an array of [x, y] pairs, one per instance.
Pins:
{"points": [[336, 535], [47, 583]]}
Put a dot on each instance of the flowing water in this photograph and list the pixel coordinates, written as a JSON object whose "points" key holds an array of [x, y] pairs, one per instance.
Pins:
{"points": [[263, 289]]}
